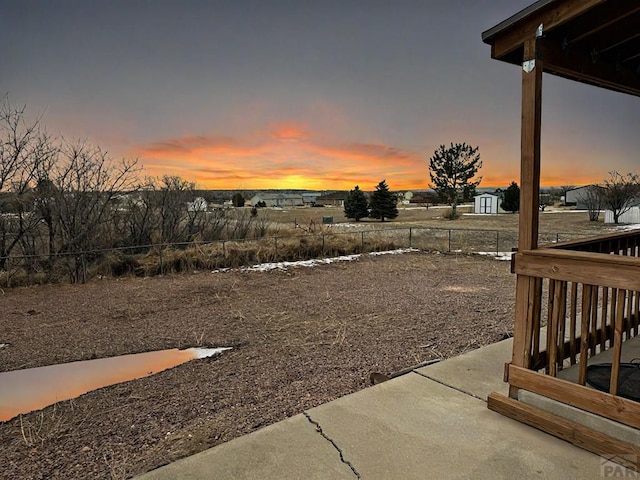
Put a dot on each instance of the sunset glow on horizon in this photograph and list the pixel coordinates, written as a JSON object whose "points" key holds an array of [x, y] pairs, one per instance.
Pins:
{"points": [[304, 95], [289, 156]]}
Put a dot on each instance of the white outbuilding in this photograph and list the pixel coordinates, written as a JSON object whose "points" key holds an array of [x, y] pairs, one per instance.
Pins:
{"points": [[487, 203], [630, 216]]}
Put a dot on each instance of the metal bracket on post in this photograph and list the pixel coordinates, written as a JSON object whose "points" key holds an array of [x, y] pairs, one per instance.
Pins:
{"points": [[529, 65]]}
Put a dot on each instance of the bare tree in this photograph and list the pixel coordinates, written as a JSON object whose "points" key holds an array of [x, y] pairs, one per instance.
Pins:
{"points": [[84, 185], [174, 219], [592, 198], [25, 149], [620, 193], [136, 220]]}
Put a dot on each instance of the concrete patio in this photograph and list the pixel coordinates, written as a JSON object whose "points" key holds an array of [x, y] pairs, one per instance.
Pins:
{"points": [[430, 423]]}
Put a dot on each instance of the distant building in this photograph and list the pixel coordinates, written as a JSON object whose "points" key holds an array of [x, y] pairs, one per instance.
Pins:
{"points": [[309, 198], [335, 199], [630, 216], [487, 204], [278, 199], [577, 197]]}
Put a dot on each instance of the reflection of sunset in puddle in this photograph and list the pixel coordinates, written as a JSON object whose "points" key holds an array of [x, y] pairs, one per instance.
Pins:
{"points": [[22, 391]]}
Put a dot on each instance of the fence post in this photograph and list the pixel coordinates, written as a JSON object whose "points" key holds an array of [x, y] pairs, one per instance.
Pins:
{"points": [[322, 244], [160, 256], [497, 242], [83, 263], [557, 237], [362, 235], [449, 240], [276, 242]]}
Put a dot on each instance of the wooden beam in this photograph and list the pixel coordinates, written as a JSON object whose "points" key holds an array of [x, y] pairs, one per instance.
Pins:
{"points": [[530, 147], [626, 454], [614, 13], [523, 326], [618, 35], [584, 243], [529, 200], [580, 67], [582, 267], [594, 401], [553, 15]]}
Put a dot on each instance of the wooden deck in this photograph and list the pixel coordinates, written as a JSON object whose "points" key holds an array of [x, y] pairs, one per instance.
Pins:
{"points": [[591, 291]]}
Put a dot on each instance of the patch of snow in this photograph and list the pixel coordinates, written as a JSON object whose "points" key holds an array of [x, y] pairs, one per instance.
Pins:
{"points": [[220, 270], [631, 226], [505, 256], [345, 225], [565, 211], [266, 267], [399, 251], [4, 345], [207, 352]]}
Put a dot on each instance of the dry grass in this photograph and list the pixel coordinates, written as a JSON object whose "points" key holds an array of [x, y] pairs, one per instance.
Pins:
{"points": [[301, 235], [551, 222]]}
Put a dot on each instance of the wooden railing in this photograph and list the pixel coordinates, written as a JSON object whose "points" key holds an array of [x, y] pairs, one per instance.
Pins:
{"points": [[586, 294]]}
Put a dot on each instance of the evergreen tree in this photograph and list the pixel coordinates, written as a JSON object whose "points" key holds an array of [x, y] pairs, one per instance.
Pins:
{"points": [[237, 200], [511, 198], [356, 205], [383, 203], [452, 170]]}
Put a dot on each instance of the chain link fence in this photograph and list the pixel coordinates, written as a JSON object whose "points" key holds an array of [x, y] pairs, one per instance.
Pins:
{"points": [[155, 259]]}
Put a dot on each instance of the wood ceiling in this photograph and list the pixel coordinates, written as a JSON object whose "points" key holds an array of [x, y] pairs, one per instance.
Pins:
{"points": [[591, 41]]}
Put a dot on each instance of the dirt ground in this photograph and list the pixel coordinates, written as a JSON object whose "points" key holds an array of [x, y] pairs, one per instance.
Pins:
{"points": [[554, 220], [301, 337]]}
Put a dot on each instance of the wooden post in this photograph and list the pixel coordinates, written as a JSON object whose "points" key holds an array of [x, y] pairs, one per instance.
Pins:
{"points": [[530, 147], [529, 198]]}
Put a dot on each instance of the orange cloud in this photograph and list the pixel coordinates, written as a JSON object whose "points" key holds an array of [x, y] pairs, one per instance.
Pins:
{"points": [[288, 133], [285, 155], [291, 155]]}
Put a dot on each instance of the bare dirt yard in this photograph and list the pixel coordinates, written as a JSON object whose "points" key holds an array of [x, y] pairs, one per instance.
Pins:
{"points": [[300, 338]]}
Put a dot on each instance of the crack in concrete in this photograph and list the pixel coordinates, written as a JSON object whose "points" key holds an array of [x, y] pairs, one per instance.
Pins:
{"points": [[332, 442], [450, 386]]}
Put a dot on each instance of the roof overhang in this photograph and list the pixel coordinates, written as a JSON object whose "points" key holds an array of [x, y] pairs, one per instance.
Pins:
{"points": [[591, 41]]}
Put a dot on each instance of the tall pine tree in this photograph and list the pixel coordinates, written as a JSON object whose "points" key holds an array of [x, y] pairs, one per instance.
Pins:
{"points": [[383, 203], [452, 170], [511, 198], [356, 205]]}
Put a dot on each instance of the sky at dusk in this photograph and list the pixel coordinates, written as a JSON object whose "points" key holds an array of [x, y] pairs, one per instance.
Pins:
{"points": [[321, 94]]}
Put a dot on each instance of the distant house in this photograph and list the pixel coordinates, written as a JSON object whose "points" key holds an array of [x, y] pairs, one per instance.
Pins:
{"points": [[335, 199], [487, 204], [577, 197], [278, 199], [309, 198]]}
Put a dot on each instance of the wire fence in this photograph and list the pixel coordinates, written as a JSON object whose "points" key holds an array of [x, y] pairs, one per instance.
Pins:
{"points": [[154, 259]]}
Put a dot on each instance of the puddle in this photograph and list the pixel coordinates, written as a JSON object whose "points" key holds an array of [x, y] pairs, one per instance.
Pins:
{"points": [[22, 391]]}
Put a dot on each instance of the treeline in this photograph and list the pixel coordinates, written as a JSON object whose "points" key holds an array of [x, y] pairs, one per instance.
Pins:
{"points": [[59, 198]]}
